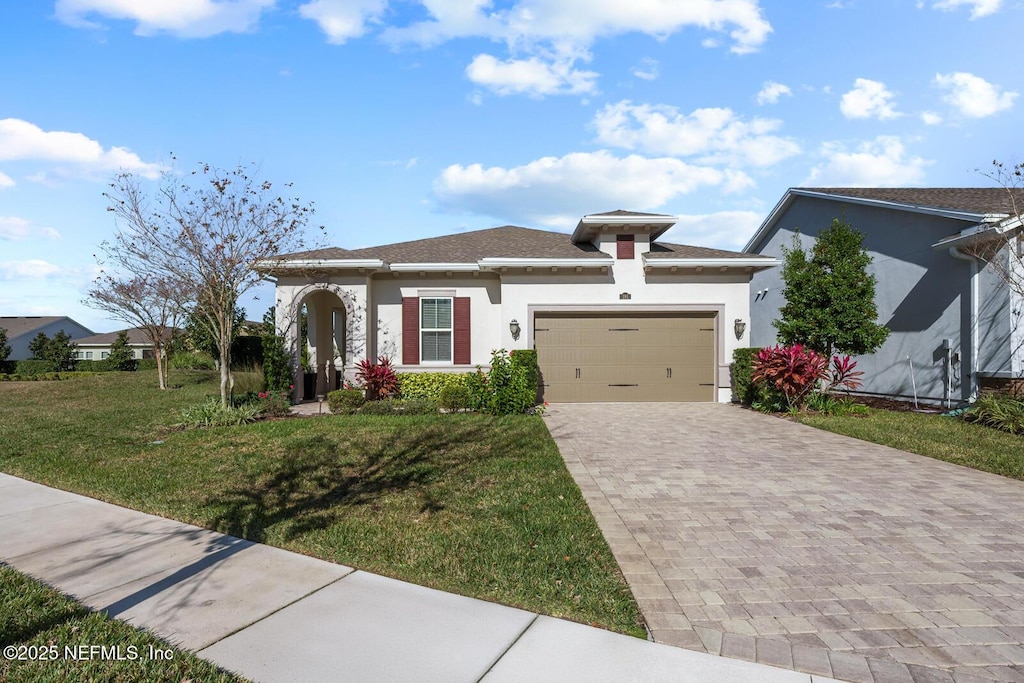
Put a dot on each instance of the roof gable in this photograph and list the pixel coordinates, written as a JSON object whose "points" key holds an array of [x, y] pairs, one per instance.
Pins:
{"points": [[17, 326], [972, 205]]}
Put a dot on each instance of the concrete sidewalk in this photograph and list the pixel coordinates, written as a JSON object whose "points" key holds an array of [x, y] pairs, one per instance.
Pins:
{"points": [[273, 615]]}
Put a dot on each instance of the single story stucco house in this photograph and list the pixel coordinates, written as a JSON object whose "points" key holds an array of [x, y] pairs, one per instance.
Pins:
{"points": [[614, 314], [955, 326], [97, 346]]}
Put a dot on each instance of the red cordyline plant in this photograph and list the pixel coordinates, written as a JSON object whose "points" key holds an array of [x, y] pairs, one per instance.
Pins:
{"points": [[796, 371], [378, 378]]}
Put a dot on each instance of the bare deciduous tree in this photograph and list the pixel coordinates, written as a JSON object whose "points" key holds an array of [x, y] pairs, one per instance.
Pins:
{"points": [[203, 232], [149, 302]]}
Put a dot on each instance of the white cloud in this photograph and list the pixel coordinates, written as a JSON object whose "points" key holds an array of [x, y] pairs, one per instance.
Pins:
{"points": [[556, 191], [931, 118], [712, 134], [771, 92], [342, 20], [723, 229], [21, 140], [646, 70], [184, 18], [580, 22], [974, 96], [979, 8], [868, 99], [6, 181], [882, 162], [16, 229], [532, 76], [32, 269]]}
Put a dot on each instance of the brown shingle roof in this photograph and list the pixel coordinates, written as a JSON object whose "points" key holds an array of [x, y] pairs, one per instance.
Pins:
{"points": [[505, 242], [969, 199], [469, 247], [666, 250], [19, 325], [623, 212]]}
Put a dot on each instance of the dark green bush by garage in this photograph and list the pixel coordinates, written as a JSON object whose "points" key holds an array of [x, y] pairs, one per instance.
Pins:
{"points": [[743, 390]]}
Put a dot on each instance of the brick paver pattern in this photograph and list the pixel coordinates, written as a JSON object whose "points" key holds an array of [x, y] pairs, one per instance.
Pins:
{"points": [[757, 538]]}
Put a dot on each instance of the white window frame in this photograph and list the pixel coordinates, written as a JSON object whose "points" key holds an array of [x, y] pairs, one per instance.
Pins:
{"points": [[450, 330], [104, 355]]}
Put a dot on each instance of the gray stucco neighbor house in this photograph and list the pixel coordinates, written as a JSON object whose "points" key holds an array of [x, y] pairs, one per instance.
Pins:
{"points": [[21, 330], [955, 325]]}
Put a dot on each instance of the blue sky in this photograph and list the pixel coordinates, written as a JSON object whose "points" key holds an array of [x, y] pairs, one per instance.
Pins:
{"points": [[405, 119]]}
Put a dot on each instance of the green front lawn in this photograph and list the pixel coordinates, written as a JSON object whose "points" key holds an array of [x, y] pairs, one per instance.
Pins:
{"points": [[477, 505], [945, 438], [55, 638]]}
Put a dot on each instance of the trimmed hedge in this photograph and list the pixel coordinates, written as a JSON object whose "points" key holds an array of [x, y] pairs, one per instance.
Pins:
{"points": [[345, 401], [743, 390], [94, 366], [45, 376], [527, 359], [33, 367], [428, 385]]}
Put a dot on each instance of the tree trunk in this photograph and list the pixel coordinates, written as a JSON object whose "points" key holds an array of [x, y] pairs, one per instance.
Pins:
{"points": [[161, 365], [227, 382]]}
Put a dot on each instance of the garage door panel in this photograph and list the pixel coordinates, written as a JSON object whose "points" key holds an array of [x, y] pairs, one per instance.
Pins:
{"points": [[590, 357]]}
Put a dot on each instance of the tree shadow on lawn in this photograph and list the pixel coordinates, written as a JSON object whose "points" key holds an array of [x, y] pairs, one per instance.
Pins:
{"points": [[322, 476]]}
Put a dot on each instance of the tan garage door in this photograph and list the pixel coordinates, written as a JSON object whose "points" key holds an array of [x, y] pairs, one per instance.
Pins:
{"points": [[592, 357]]}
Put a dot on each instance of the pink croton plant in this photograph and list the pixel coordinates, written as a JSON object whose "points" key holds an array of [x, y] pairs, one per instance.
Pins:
{"points": [[796, 371]]}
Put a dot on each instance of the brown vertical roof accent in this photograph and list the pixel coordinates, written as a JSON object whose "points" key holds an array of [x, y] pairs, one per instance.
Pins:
{"points": [[460, 331], [625, 246], [410, 330]]}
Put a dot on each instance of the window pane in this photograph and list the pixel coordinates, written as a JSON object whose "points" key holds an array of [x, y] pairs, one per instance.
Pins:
{"points": [[437, 346], [444, 314], [429, 320]]}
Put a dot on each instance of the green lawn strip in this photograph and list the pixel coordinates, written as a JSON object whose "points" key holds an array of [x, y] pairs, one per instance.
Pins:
{"points": [[51, 635], [944, 438], [478, 505]]}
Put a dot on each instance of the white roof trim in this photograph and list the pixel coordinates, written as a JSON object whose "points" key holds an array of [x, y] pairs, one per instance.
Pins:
{"points": [[498, 262], [793, 192], [452, 267], [764, 262], [664, 222], [980, 232], [305, 263]]}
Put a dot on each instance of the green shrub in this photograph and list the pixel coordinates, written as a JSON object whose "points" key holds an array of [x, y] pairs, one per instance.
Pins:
{"points": [[455, 397], [277, 368], [527, 360], [506, 390], [743, 390], [93, 366], [249, 379], [385, 406], [189, 360], [828, 404], [419, 406], [345, 401], [33, 367], [428, 384], [998, 410], [146, 364], [211, 413], [274, 403]]}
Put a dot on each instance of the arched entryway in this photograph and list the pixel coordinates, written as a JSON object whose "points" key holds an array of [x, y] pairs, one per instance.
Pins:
{"points": [[326, 340]]}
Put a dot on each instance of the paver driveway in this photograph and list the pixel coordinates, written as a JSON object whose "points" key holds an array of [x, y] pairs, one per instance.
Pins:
{"points": [[754, 537]]}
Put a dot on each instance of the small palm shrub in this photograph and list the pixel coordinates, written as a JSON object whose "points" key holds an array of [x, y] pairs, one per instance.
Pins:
{"points": [[998, 410], [211, 413]]}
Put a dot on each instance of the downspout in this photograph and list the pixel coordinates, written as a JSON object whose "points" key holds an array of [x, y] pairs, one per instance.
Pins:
{"points": [[972, 367]]}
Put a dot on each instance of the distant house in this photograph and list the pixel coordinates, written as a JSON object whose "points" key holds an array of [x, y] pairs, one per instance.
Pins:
{"points": [[614, 313], [955, 325], [21, 330], [97, 346]]}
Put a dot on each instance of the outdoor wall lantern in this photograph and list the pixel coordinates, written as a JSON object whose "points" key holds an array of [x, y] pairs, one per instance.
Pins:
{"points": [[514, 328], [739, 327]]}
